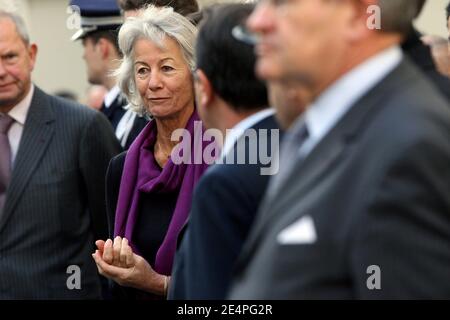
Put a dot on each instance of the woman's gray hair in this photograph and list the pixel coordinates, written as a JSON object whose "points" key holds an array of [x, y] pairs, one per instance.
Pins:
{"points": [[19, 23], [153, 24]]}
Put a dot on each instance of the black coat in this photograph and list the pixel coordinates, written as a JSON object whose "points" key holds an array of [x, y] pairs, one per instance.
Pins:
{"points": [[154, 215], [115, 111], [223, 208], [138, 124]]}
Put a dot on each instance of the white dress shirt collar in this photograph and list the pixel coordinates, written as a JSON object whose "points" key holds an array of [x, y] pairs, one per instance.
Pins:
{"points": [[332, 104], [20, 111], [238, 130], [111, 96]]}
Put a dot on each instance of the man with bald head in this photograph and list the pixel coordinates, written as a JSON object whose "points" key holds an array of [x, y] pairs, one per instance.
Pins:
{"points": [[360, 208]]}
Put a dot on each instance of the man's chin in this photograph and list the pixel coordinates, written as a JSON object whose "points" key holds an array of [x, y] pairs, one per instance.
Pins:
{"points": [[94, 81], [7, 103], [284, 119], [267, 70]]}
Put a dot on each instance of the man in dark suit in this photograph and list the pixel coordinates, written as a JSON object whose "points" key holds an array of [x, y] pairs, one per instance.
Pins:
{"points": [[361, 210], [227, 197], [53, 159], [100, 23]]}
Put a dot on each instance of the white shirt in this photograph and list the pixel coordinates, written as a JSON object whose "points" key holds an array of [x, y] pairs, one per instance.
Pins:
{"points": [[323, 114], [19, 114], [111, 96], [125, 126], [238, 130]]}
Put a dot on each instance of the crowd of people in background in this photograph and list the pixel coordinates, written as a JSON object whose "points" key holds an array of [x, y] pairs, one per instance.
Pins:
{"points": [[332, 180]]}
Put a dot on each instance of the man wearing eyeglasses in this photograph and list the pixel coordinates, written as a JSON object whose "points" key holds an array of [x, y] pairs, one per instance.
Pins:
{"points": [[362, 210]]}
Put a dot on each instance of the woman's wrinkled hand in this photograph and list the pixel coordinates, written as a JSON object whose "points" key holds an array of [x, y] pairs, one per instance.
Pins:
{"points": [[117, 261]]}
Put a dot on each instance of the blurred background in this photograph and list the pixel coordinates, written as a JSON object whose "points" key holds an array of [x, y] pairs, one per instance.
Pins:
{"points": [[60, 66]]}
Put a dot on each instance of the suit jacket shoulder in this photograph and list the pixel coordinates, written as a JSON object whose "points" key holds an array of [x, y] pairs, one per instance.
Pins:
{"points": [[69, 110], [372, 192], [224, 205]]}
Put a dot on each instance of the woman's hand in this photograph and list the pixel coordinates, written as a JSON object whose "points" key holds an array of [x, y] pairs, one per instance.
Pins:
{"points": [[117, 261], [117, 253]]}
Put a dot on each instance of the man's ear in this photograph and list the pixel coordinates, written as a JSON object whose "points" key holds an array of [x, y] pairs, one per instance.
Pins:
{"points": [[205, 88], [365, 17], [103, 46], [32, 53]]}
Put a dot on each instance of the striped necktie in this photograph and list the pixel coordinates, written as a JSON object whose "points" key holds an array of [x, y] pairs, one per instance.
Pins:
{"points": [[289, 156], [5, 158]]}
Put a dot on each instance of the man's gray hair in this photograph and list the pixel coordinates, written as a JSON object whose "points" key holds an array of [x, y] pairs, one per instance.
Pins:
{"points": [[398, 15], [19, 23], [154, 24]]}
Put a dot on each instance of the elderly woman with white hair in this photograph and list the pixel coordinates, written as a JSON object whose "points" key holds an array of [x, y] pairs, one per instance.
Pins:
{"points": [[150, 194]]}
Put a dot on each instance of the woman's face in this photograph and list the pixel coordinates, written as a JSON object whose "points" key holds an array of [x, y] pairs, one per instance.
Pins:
{"points": [[162, 77]]}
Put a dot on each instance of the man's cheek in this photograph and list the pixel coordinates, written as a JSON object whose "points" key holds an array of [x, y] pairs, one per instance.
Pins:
{"points": [[14, 72]]}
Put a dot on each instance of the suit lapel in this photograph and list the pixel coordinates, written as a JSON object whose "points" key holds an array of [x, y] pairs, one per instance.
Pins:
{"points": [[305, 174], [309, 171], [106, 111], [118, 103], [329, 151], [37, 133]]}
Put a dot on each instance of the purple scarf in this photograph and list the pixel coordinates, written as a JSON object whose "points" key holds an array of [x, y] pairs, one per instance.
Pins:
{"points": [[142, 174]]}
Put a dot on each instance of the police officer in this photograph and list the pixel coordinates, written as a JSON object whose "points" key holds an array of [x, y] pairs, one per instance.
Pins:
{"points": [[100, 23]]}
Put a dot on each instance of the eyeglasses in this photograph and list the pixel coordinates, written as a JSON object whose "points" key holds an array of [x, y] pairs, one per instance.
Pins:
{"points": [[241, 33]]}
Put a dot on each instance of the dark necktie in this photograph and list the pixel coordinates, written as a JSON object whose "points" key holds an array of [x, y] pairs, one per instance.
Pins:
{"points": [[5, 158], [289, 156]]}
